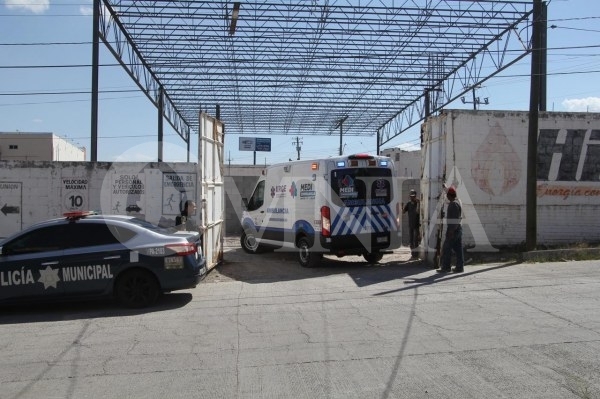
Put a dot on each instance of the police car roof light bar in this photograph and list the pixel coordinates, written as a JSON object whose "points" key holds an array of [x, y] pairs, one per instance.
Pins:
{"points": [[77, 214]]}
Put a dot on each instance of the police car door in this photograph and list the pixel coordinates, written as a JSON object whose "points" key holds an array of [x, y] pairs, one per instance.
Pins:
{"points": [[30, 265], [92, 258]]}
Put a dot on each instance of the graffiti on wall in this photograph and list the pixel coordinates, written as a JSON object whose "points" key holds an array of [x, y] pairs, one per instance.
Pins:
{"points": [[566, 158], [496, 166], [569, 155]]}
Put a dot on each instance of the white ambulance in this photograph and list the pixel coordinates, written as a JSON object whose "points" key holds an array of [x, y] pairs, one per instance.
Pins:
{"points": [[346, 205]]}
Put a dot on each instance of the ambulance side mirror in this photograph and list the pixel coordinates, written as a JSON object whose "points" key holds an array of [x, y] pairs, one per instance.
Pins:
{"points": [[245, 203]]}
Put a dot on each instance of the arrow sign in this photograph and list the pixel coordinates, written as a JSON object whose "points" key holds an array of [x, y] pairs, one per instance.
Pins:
{"points": [[10, 209]]}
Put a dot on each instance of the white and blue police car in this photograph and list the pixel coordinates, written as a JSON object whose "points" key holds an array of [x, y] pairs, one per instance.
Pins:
{"points": [[87, 255]]}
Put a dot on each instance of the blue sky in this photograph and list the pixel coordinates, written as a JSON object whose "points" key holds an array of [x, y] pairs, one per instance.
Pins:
{"points": [[127, 120]]}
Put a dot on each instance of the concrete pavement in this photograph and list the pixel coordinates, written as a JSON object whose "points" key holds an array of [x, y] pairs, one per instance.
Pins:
{"points": [[260, 326]]}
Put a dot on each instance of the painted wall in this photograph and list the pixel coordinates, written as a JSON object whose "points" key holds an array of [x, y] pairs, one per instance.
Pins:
{"points": [[484, 155], [35, 191]]}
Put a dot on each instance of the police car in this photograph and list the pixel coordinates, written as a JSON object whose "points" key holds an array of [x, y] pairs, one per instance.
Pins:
{"points": [[84, 254]]}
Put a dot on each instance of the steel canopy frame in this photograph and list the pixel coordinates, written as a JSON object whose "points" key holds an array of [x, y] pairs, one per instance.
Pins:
{"points": [[299, 67]]}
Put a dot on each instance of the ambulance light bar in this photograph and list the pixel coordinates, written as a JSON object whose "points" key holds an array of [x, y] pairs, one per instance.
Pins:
{"points": [[360, 156]]}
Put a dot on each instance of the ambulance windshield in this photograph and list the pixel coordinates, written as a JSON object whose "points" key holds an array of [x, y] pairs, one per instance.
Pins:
{"points": [[361, 186]]}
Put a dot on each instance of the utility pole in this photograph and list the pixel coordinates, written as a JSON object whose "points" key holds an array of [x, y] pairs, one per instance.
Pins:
{"points": [[534, 108], [476, 100], [297, 143], [229, 160], [340, 123]]}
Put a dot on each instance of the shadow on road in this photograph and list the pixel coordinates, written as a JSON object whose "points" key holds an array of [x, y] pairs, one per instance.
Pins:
{"points": [[80, 310], [278, 266], [411, 284]]}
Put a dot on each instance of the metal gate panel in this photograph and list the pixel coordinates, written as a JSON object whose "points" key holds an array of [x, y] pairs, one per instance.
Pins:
{"points": [[212, 190]]}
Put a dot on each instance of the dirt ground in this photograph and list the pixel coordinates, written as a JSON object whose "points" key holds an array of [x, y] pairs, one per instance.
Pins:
{"points": [[283, 265]]}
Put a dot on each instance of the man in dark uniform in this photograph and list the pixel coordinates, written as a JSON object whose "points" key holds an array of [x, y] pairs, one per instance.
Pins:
{"points": [[185, 221], [412, 208], [453, 241]]}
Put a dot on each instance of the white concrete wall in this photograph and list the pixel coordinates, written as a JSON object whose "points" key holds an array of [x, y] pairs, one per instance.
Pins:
{"points": [[64, 151], [34, 191], [407, 163], [484, 155]]}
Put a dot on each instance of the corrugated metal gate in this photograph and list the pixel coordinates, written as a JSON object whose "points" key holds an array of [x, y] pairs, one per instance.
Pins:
{"points": [[212, 188]]}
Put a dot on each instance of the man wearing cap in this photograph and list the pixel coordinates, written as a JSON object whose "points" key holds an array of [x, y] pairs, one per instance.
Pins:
{"points": [[453, 241], [412, 208]]}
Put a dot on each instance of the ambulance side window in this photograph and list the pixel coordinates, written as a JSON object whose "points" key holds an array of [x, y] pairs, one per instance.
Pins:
{"points": [[258, 197]]}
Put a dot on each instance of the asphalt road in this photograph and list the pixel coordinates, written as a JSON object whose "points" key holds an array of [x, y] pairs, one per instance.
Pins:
{"points": [[260, 326]]}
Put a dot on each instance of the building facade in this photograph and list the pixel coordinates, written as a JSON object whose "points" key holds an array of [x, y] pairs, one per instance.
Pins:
{"points": [[408, 163], [30, 146]]}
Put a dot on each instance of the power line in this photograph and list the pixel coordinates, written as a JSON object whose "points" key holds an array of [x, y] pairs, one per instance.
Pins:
{"points": [[58, 93], [53, 93]]}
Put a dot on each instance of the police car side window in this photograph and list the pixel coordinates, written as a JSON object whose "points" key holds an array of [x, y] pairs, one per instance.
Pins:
{"points": [[93, 234], [45, 239]]}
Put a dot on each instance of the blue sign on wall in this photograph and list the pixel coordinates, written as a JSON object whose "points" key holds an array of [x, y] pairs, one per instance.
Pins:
{"points": [[263, 144]]}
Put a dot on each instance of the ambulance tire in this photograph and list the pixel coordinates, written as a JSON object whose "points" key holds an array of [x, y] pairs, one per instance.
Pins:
{"points": [[137, 288], [306, 257], [249, 243], [373, 257]]}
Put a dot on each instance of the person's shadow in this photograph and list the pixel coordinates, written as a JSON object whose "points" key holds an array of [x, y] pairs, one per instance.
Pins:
{"points": [[431, 279]]}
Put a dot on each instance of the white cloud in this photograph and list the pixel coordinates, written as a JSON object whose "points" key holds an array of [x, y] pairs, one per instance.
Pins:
{"points": [[589, 104], [86, 10], [409, 146], [35, 6]]}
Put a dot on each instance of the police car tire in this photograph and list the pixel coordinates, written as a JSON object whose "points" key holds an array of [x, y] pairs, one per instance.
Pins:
{"points": [[306, 257], [373, 257], [246, 242], [137, 288]]}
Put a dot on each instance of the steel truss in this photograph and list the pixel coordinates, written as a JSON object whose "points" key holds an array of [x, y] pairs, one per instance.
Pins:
{"points": [[299, 67]]}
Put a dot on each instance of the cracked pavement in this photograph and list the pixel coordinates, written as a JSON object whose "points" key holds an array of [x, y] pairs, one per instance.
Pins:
{"points": [[260, 326]]}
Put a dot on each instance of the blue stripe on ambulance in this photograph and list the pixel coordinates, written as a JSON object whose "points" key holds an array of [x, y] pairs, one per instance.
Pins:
{"points": [[304, 226], [354, 220]]}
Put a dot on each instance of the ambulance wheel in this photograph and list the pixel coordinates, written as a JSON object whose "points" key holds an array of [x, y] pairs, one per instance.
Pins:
{"points": [[373, 257], [249, 243], [306, 257], [137, 289]]}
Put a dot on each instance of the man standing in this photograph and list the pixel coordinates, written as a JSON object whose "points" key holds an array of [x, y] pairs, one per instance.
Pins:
{"points": [[453, 241], [185, 221], [412, 208]]}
